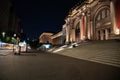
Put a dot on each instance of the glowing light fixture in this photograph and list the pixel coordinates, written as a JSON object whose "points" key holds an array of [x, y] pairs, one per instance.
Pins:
{"points": [[3, 34], [117, 31]]}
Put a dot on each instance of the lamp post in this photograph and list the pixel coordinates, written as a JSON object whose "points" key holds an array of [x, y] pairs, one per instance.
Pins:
{"points": [[13, 43], [13, 40], [19, 47]]}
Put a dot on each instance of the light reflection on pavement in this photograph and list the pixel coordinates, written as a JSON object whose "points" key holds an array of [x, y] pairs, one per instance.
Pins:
{"points": [[4, 52]]}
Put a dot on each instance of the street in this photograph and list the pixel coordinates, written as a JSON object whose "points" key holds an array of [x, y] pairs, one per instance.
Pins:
{"points": [[49, 66]]}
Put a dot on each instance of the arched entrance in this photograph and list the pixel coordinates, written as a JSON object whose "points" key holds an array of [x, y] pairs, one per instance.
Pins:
{"points": [[77, 33]]}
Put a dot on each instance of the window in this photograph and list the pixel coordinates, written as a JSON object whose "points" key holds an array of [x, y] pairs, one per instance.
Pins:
{"points": [[103, 14], [98, 18], [108, 13]]}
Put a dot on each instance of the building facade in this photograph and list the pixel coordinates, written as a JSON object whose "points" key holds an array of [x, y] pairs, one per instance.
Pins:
{"points": [[54, 39], [93, 20], [9, 21], [45, 37], [57, 39]]}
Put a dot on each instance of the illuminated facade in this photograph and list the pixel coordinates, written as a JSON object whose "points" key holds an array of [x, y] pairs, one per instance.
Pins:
{"points": [[93, 20], [54, 39], [57, 39], [45, 37]]}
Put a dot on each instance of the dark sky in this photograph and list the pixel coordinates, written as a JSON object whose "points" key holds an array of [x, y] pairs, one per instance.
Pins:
{"points": [[39, 16]]}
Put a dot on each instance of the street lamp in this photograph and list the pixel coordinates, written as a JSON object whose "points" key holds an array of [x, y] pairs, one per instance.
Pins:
{"points": [[14, 35], [3, 34], [13, 43]]}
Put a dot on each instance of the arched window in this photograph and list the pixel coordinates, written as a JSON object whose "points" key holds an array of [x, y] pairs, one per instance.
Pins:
{"points": [[103, 14], [98, 17], [107, 12]]}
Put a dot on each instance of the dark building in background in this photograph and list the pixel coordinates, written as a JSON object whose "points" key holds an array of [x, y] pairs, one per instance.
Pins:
{"points": [[9, 21]]}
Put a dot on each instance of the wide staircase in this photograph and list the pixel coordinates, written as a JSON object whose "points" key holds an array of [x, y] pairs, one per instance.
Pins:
{"points": [[105, 52]]}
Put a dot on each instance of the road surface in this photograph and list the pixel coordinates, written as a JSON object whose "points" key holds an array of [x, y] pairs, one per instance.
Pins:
{"points": [[46, 66]]}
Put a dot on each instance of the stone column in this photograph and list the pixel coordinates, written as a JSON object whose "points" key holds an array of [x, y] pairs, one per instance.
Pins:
{"points": [[113, 17], [106, 33], [70, 37], [85, 27], [101, 34], [73, 35], [67, 34], [88, 27], [91, 30], [81, 30]]}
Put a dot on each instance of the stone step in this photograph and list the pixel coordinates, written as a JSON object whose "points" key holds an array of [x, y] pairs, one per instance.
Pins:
{"points": [[106, 52], [113, 62]]}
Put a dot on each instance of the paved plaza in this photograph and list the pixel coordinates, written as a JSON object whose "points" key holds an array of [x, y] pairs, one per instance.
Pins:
{"points": [[46, 66], [80, 63]]}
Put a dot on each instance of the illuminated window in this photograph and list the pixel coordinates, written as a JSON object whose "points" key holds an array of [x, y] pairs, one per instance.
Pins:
{"points": [[98, 18], [103, 14], [108, 13]]}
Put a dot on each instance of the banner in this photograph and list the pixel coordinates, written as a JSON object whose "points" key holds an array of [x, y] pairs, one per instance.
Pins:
{"points": [[118, 13], [83, 25]]}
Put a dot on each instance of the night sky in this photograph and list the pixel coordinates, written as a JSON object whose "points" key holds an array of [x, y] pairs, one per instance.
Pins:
{"points": [[38, 16]]}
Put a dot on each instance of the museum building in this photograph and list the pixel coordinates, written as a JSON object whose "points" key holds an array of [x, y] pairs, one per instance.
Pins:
{"points": [[93, 20]]}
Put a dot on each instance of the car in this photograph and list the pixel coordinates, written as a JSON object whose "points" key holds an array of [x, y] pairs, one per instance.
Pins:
{"points": [[45, 46]]}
